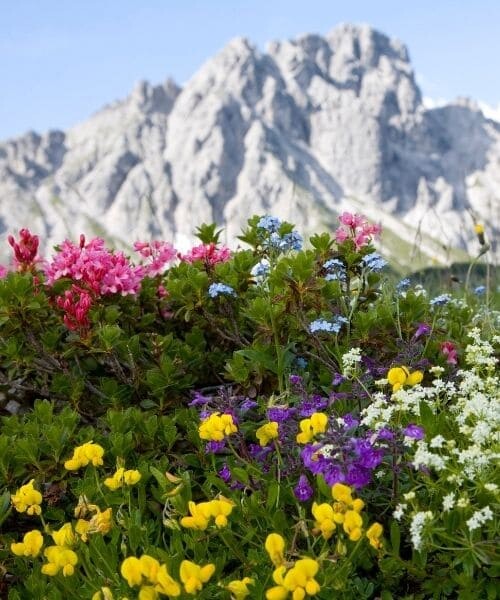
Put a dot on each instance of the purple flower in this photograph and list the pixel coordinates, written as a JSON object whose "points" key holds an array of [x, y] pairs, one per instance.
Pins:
{"points": [[414, 431], [303, 491], [260, 453], [357, 476], [337, 379], [295, 379], [213, 447], [247, 405], [280, 413], [350, 421], [422, 329], [333, 474], [314, 404], [313, 459], [225, 473], [385, 434], [199, 400]]}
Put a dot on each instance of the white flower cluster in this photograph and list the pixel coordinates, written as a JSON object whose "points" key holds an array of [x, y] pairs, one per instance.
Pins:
{"points": [[424, 458], [479, 518], [448, 502], [418, 523], [480, 352], [350, 362]]}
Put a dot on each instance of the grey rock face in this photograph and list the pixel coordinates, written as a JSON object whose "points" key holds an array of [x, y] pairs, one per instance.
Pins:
{"points": [[305, 130]]}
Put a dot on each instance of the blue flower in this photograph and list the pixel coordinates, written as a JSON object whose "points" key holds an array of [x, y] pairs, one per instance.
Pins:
{"points": [[374, 262], [261, 269], [301, 362], [327, 326], [440, 300], [216, 289], [270, 224], [403, 284], [336, 270], [479, 291], [291, 241]]}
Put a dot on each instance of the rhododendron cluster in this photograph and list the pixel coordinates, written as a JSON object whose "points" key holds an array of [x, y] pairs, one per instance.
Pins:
{"points": [[95, 267], [207, 253], [356, 228]]}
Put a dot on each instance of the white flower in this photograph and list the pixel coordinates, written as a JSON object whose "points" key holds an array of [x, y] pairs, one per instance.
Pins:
{"points": [[436, 370], [479, 518], [400, 511], [418, 523], [409, 496], [491, 487], [437, 441], [463, 502], [428, 459], [448, 502], [350, 362]]}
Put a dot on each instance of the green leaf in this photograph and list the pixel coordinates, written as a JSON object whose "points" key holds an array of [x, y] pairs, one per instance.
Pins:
{"points": [[395, 536]]}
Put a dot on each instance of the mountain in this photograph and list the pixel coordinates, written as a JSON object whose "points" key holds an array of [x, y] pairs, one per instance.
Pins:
{"points": [[304, 130]]}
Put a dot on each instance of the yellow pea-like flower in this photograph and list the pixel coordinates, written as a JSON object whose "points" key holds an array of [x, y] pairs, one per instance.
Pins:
{"points": [[374, 533], [27, 499], [30, 546], [193, 576], [239, 588], [275, 547], [267, 432]]}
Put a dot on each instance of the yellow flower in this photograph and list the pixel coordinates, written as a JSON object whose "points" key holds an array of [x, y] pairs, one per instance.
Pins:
{"points": [[267, 432], [148, 592], [220, 509], [374, 533], [193, 576], [299, 580], [216, 427], [100, 522], [135, 570], [324, 515], [103, 594], [30, 546], [165, 584], [27, 499], [400, 376], [200, 516], [342, 493], [317, 423], [85, 454], [121, 477], [131, 570], [479, 228], [352, 525], [239, 588], [59, 557], [64, 536], [275, 547]]}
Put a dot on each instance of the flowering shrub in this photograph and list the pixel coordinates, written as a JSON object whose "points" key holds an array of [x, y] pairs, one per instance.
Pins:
{"points": [[275, 423]]}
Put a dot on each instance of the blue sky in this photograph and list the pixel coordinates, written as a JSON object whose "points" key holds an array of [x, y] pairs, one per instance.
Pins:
{"points": [[60, 60]]}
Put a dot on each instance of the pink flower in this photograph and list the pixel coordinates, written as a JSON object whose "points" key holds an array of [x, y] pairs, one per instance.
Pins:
{"points": [[3, 272], [356, 228], [76, 304], [208, 253], [449, 350], [25, 250], [160, 253], [95, 267]]}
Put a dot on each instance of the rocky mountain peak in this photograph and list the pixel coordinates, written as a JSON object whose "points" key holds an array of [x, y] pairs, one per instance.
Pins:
{"points": [[305, 129]]}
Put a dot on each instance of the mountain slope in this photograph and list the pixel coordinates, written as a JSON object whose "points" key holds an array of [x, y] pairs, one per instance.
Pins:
{"points": [[309, 128]]}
